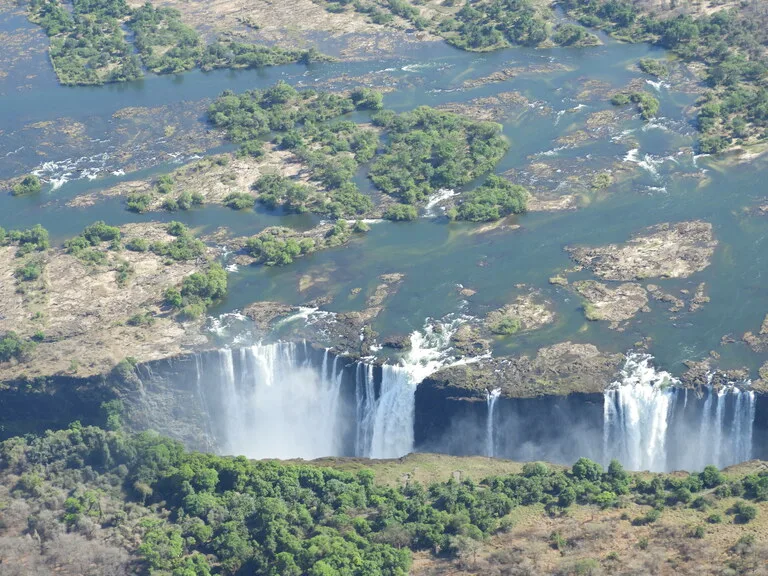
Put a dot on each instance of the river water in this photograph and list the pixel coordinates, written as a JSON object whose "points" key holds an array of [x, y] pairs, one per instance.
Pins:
{"points": [[664, 183]]}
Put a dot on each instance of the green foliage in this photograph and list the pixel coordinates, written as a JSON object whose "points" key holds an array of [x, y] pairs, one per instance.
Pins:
{"points": [[13, 346], [141, 319], [30, 184], [367, 99], [90, 47], [429, 149], [165, 43], [495, 24], [496, 198], [183, 247], [198, 291], [137, 245], [401, 213], [238, 200], [653, 67], [31, 270], [138, 202], [29, 240], [744, 512], [506, 326], [280, 192], [647, 103], [275, 251], [164, 184], [573, 35]]}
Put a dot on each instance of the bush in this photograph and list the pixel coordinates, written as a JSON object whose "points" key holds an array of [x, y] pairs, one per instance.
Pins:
{"points": [[177, 229], [506, 326], [13, 346], [137, 245], [30, 184], [239, 200], [653, 67], [138, 202], [30, 271], [401, 212], [744, 512]]}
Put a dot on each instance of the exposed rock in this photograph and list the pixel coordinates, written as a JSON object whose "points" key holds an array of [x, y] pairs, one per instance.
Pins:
{"points": [[526, 310], [560, 369], [263, 314], [558, 280], [664, 250], [615, 304], [466, 292], [658, 294], [470, 340], [758, 342], [351, 332], [702, 373], [83, 311], [699, 298]]}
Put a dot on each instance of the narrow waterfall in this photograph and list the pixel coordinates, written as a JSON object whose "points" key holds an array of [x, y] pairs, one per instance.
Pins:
{"points": [[385, 424], [649, 423], [490, 398], [274, 404]]}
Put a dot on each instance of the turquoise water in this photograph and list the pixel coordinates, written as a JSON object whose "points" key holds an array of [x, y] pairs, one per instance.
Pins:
{"points": [[436, 255]]}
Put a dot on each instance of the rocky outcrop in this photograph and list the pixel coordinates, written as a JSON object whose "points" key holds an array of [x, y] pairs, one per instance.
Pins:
{"points": [[758, 342], [665, 251], [615, 304], [560, 369]]}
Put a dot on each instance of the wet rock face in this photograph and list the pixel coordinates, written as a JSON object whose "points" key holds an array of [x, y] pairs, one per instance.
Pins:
{"points": [[665, 250], [555, 370]]}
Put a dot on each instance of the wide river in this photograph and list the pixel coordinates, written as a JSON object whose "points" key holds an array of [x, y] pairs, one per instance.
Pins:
{"points": [[663, 182]]}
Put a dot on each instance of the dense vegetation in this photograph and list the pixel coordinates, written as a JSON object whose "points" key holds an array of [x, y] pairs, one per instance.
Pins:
{"points": [[496, 198], [647, 104], [298, 121], [476, 26], [277, 246], [429, 149], [198, 291], [29, 240], [88, 45], [730, 43], [183, 513]]}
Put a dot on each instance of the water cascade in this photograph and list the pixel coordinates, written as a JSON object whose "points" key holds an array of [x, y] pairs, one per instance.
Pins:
{"points": [[651, 424], [275, 404], [386, 424], [490, 397]]}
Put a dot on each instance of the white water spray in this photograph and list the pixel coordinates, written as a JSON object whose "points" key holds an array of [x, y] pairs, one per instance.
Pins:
{"points": [[642, 418]]}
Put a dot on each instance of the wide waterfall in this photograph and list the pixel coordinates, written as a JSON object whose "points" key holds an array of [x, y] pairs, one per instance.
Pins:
{"points": [[276, 404], [288, 400], [651, 424]]}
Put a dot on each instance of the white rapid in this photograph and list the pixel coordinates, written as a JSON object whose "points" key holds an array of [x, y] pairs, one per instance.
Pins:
{"points": [[647, 428], [490, 398], [277, 405]]}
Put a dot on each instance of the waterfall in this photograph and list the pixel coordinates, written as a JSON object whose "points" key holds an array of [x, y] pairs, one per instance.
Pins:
{"points": [[275, 404], [490, 398], [386, 422], [645, 427]]}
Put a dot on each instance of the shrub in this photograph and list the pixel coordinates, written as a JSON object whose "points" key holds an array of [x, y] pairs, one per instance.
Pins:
{"points": [[506, 326], [30, 271], [744, 512], [30, 184], [137, 245], [239, 200], [401, 212], [138, 202], [13, 346]]}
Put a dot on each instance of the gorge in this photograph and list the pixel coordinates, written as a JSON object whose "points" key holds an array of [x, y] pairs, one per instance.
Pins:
{"points": [[291, 400]]}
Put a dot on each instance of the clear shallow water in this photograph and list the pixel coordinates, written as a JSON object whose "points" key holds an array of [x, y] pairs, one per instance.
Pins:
{"points": [[664, 186]]}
